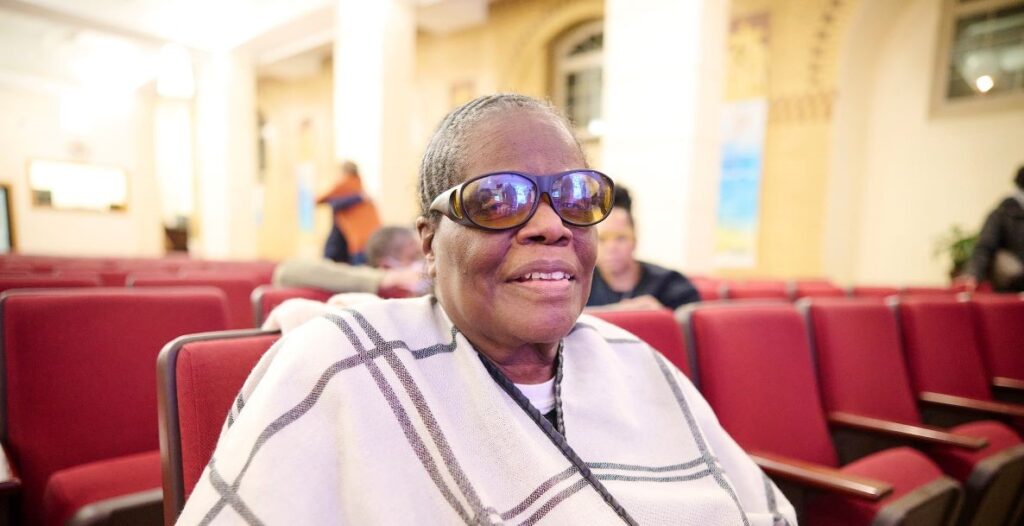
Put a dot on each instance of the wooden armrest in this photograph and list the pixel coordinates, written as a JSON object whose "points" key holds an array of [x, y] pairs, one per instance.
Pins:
{"points": [[971, 404], [820, 477], [1008, 383], [916, 433], [10, 481]]}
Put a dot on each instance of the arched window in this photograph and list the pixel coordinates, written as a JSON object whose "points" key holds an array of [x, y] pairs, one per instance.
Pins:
{"points": [[578, 77]]}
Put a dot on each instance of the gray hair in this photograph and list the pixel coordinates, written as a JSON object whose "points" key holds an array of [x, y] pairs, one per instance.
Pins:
{"points": [[445, 157], [384, 242]]}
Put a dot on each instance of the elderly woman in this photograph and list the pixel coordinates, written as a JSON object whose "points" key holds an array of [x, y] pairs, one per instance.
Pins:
{"points": [[492, 401]]}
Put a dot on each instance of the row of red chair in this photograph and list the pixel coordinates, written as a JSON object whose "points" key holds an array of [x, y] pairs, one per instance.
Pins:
{"points": [[715, 289]]}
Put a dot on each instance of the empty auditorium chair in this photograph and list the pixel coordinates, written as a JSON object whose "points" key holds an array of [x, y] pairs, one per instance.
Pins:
{"points": [[1000, 324], [815, 289], [757, 290], [237, 289], [266, 297], [47, 282], [866, 391], [873, 291], [79, 417], [928, 291], [755, 369], [199, 376], [656, 327], [942, 349], [107, 278], [709, 289]]}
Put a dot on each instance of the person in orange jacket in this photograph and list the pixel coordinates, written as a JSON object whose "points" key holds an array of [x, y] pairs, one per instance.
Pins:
{"points": [[355, 217]]}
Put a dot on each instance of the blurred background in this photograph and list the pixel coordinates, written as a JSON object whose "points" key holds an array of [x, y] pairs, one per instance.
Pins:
{"points": [[862, 141]]}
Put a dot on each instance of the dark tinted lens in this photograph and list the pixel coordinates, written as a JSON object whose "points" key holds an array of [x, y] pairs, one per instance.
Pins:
{"points": [[499, 200], [582, 198]]}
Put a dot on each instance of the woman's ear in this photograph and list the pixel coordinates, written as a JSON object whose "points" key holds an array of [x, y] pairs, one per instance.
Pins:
{"points": [[426, 229]]}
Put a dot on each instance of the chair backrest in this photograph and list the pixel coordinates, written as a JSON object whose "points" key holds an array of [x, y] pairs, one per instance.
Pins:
{"points": [[1000, 324], [266, 297], [929, 291], [46, 282], [236, 288], [709, 289], [658, 328], [754, 365], [756, 290], [860, 362], [940, 342], [78, 372], [816, 289], [199, 377], [872, 291]]}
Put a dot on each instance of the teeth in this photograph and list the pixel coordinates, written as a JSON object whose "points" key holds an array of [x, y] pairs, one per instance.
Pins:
{"points": [[547, 276]]}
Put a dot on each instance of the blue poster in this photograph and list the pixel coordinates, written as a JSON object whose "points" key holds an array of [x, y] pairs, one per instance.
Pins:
{"points": [[739, 193]]}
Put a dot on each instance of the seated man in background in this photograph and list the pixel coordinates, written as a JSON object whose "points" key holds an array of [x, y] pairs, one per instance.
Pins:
{"points": [[999, 253], [621, 281], [395, 270]]}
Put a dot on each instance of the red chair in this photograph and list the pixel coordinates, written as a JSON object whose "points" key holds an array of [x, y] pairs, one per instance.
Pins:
{"points": [[866, 391], [658, 328], [928, 291], [872, 291], [815, 289], [47, 282], [78, 419], [756, 290], [708, 288], [266, 297], [946, 368], [1000, 324], [236, 288], [199, 377], [755, 369]]}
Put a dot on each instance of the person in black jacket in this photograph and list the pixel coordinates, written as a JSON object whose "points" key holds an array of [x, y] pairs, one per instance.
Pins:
{"points": [[621, 281], [1003, 231]]}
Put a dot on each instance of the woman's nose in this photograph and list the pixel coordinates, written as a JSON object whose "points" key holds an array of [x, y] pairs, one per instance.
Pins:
{"points": [[545, 226]]}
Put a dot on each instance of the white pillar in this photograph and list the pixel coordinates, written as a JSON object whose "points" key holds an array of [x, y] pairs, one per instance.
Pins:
{"points": [[374, 60], [663, 90], [226, 157]]}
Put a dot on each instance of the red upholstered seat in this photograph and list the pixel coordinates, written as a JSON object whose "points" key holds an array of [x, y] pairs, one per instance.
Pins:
{"points": [[745, 290], [906, 469], [656, 327], [1000, 326], [871, 291], [709, 289], [71, 489], [942, 348], [79, 377], [47, 282], [199, 377], [862, 371], [237, 288], [816, 289], [266, 297], [755, 368]]}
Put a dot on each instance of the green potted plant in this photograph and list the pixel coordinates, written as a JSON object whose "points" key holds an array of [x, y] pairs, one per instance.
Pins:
{"points": [[958, 244]]}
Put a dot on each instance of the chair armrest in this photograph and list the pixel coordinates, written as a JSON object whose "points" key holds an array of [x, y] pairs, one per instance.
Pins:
{"points": [[914, 433], [10, 481], [971, 404], [1003, 382], [820, 477]]}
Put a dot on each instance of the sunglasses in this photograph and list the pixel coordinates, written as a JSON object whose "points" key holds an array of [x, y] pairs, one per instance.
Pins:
{"points": [[503, 200]]}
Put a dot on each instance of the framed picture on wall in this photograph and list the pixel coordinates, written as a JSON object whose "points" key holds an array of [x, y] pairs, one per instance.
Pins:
{"points": [[6, 224]]}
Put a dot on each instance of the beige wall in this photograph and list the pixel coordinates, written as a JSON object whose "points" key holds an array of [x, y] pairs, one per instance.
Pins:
{"points": [[29, 127], [920, 173]]}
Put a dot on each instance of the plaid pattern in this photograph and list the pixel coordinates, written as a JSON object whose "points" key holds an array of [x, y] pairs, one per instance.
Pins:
{"points": [[386, 415]]}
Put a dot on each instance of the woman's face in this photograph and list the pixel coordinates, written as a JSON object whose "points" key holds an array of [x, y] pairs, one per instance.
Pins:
{"points": [[489, 282], [616, 243]]}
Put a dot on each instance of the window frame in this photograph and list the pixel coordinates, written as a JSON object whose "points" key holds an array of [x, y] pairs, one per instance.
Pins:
{"points": [[941, 105], [562, 66]]}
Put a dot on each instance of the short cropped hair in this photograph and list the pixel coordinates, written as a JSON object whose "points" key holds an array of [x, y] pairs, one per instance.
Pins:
{"points": [[445, 157], [385, 241]]}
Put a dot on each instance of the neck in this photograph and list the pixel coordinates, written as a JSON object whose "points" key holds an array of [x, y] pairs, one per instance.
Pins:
{"points": [[624, 278], [529, 364]]}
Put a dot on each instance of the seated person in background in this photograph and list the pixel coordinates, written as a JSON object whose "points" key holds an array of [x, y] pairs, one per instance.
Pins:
{"points": [[622, 282], [999, 253], [492, 401]]}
